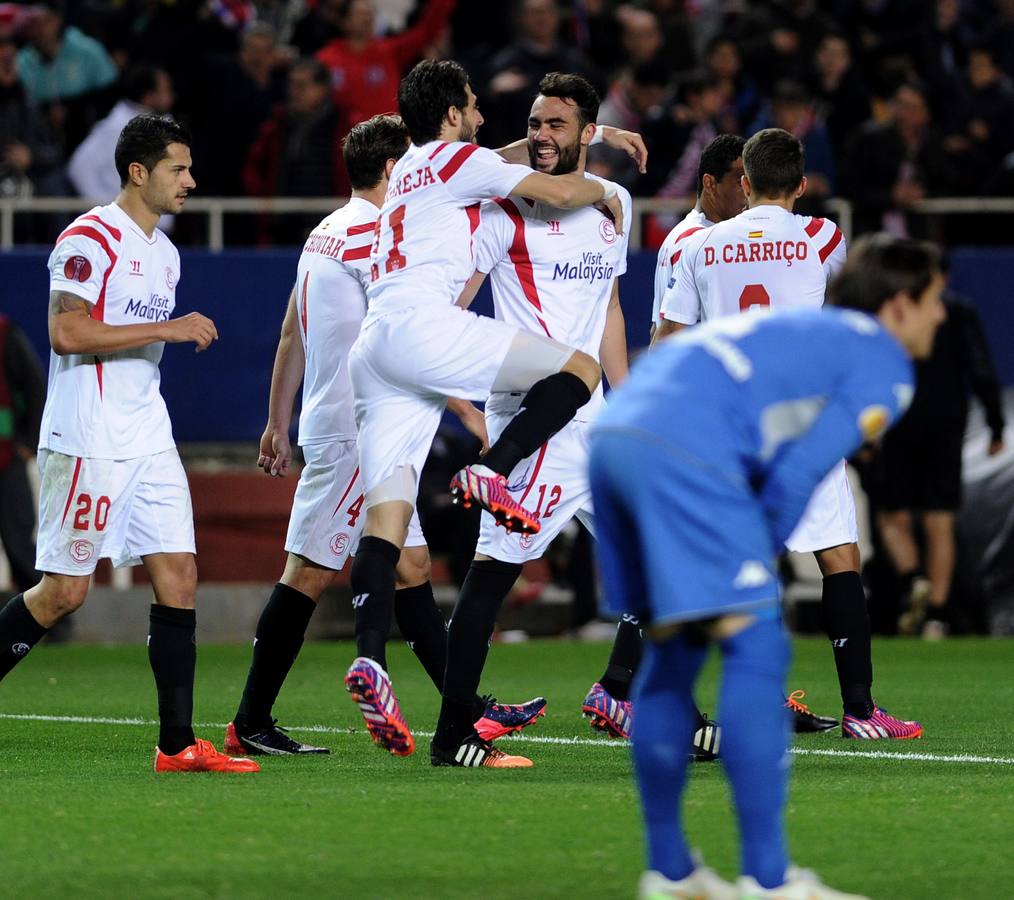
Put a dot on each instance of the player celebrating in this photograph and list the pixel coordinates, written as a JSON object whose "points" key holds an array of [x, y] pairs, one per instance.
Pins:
{"points": [[322, 320], [767, 256], [770, 402], [417, 347], [113, 485]]}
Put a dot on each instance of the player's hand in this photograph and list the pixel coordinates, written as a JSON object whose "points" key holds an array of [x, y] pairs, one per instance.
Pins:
{"points": [[275, 455], [191, 327], [615, 207], [995, 447], [630, 142], [474, 421]]}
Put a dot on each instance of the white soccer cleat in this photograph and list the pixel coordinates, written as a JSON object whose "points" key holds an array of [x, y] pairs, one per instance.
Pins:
{"points": [[701, 884], [800, 884]]}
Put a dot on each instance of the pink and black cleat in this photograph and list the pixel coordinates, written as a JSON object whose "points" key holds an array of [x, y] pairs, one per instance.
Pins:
{"points": [[371, 688], [879, 726], [482, 485], [607, 714], [499, 719]]}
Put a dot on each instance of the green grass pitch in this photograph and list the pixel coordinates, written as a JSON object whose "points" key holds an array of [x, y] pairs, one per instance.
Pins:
{"points": [[83, 815]]}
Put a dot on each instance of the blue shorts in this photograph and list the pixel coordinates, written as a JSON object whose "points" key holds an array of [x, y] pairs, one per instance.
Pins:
{"points": [[677, 541]]}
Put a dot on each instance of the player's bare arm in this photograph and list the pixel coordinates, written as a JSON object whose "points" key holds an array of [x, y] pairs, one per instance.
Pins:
{"points": [[275, 451], [572, 191], [471, 289], [73, 330], [472, 418], [630, 142], [664, 329], [613, 347]]}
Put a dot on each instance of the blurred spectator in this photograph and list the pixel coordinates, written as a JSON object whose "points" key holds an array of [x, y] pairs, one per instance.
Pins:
{"points": [[31, 153], [320, 26], [681, 136], [298, 153], [740, 97], [92, 169], [22, 394], [635, 98], [985, 134], [240, 94], [919, 466], [641, 38], [945, 47], [891, 166], [880, 29], [366, 70], [791, 108], [842, 98], [778, 38], [516, 70]]}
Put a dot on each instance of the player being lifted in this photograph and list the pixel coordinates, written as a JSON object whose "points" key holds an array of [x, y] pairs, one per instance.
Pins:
{"points": [[113, 485], [324, 313], [770, 402], [416, 348], [767, 256]]}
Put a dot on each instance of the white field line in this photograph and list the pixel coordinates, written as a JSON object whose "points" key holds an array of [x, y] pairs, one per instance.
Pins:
{"points": [[540, 739]]}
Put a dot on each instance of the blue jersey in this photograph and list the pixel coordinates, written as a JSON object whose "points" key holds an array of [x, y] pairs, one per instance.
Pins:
{"points": [[771, 398]]}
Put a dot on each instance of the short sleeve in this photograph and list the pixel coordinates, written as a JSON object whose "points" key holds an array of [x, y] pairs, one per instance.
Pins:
{"points": [[681, 302], [473, 173], [628, 217], [492, 239], [78, 264]]}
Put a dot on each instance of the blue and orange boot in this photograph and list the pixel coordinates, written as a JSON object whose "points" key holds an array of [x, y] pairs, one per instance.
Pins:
{"points": [[498, 719], [607, 714], [482, 485], [370, 687]]}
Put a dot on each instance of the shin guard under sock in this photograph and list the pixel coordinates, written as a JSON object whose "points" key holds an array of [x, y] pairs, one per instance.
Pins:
{"points": [[19, 632], [848, 627], [423, 627], [549, 405], [372, 580], [172, 653]]}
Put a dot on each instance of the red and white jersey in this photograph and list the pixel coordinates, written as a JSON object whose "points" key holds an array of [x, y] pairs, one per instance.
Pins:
{"points": [[331, 280], [669, 254], [108, 406], [552, 272], [423, 247], [765, 256]]}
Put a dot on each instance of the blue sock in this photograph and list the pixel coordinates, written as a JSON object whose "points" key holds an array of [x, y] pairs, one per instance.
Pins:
{"points": [[755, 733], [664, 720]]}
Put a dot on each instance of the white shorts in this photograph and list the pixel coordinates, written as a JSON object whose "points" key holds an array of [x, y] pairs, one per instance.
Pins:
{"points": [[552, 483], [830, 517], [91, 509], [406, 364], [327, 510]]}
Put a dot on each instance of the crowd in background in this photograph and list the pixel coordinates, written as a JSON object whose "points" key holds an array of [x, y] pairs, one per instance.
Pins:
{"points": [[895, 100]]}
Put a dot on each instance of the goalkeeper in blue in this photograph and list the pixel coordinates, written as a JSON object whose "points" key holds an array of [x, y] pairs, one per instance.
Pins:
{"points": [[758, 409]]}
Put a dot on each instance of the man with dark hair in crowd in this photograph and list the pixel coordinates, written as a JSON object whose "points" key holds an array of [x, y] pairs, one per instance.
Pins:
{"points": [[918, 468], [298, 152], [842, 98]]}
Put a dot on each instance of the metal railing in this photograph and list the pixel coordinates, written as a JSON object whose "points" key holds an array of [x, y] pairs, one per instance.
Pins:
{"points": [[216, 208]]}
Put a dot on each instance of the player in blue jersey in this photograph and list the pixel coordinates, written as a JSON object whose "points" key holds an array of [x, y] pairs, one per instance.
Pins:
{"points": [[760, 407]]}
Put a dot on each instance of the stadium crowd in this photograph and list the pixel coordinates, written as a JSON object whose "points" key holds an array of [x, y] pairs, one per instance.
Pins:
{"points": [[895, 100]]}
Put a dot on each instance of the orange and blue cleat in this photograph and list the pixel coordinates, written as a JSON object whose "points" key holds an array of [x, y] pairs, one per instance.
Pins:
{"points": [[608, 715], [498, 719], [370, 687]]}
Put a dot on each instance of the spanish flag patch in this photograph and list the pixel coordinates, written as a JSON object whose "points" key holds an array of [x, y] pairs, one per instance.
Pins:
{"points": [[755, 235]]}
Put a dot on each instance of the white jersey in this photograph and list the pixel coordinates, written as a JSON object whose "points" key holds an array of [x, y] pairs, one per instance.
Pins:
{"points": [[765, 256], [552, 272], [108, 406], [669, 254], [423, 250], [331, 282]]}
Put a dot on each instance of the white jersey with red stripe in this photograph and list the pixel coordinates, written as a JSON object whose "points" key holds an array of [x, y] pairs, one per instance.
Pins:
{"points": [[331, 281], [552, 272], [669, 254], [423, 251], [108, 406], [765, 256]]}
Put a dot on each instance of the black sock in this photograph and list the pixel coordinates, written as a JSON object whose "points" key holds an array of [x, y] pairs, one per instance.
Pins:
{"points": [[471, 626], [280, 632], [423, 627], [848, 626], [172, 652], [19, 632], [372, 580], [549, 405], [624, 659]]}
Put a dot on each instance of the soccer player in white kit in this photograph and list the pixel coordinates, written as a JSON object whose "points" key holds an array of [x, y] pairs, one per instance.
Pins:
{"points": [[322, 319], [416, 348], [768, 256], [112, 482]]}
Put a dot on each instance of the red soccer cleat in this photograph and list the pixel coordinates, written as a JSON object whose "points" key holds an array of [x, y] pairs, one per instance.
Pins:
{"points": [[484, 486], [202, 756]]}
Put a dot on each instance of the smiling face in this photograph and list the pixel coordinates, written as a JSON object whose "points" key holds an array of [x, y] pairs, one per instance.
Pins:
{"points": [[555, 135], [166, 187]]}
